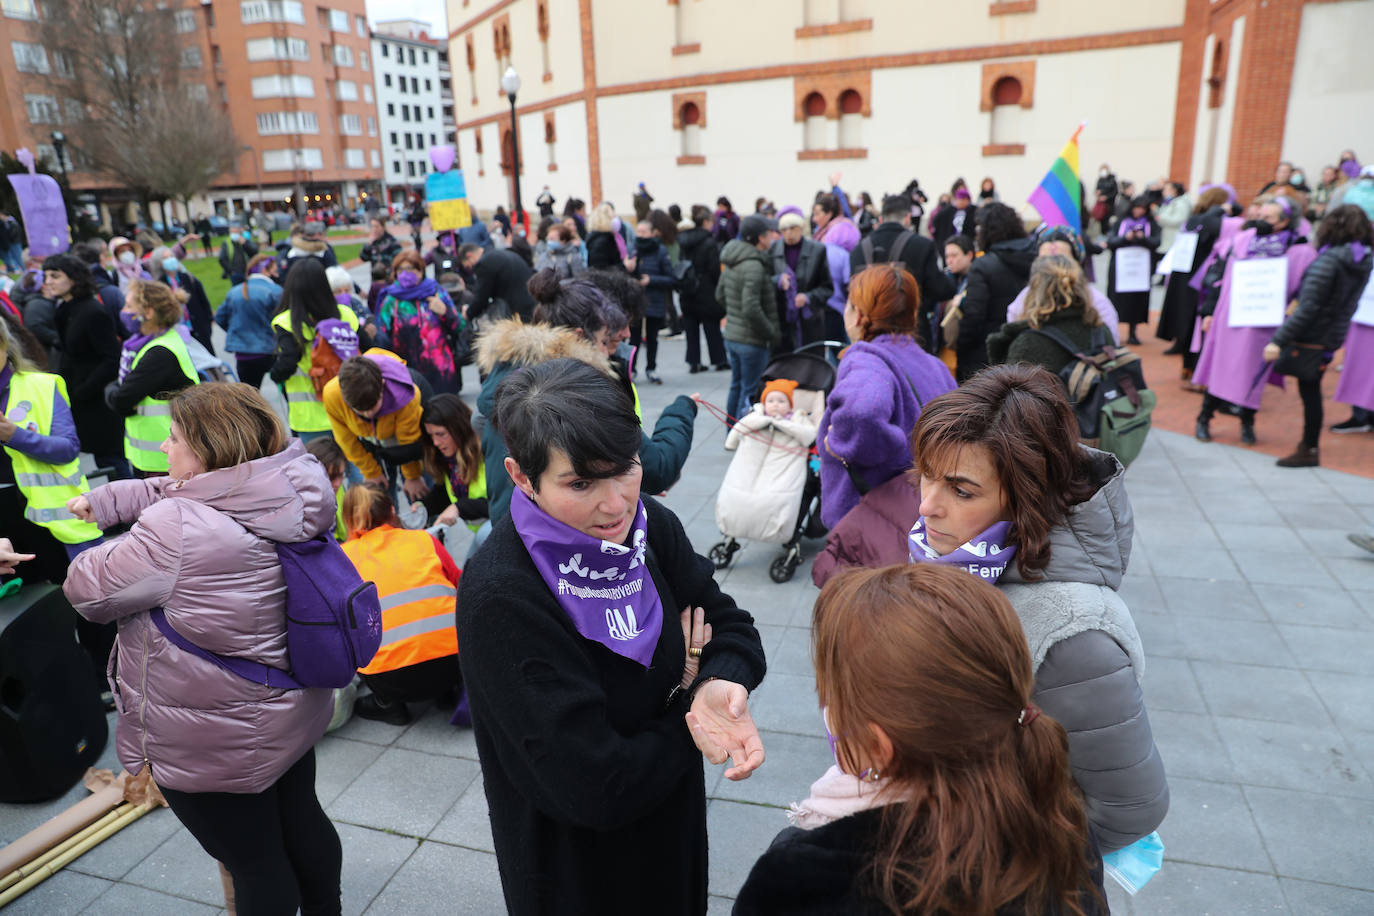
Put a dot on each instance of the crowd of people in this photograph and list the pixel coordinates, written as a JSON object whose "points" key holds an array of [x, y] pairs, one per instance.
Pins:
{"points": [[975, 548]]}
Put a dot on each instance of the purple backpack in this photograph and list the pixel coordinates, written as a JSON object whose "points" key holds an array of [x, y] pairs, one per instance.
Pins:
{"points": [[333, 621]]}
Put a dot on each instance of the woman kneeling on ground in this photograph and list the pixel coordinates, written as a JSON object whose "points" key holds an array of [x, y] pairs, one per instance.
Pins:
{"points": [[952, 792], [234, 758], [586, 697], [1007, 497], [417, 583]]}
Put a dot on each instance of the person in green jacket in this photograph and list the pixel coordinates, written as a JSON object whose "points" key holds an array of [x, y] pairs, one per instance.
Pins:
{"points": [[746, 290]]}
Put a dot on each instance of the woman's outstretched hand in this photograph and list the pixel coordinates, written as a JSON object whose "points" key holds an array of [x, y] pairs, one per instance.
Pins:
{"points": [[722, 728]]}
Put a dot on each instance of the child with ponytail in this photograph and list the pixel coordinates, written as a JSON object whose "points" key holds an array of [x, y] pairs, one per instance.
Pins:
{"points": [[417, 582], [951, 792]]}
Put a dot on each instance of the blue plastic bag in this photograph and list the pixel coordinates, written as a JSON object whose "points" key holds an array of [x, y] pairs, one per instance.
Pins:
{"points": [[1134, 866]]}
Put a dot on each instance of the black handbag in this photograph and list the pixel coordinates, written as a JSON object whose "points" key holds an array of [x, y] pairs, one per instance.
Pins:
{"points": [[1302, 361]]}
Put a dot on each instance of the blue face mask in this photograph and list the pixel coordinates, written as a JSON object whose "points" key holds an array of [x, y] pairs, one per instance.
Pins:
{"points": [[171, 265], [555, 246]]}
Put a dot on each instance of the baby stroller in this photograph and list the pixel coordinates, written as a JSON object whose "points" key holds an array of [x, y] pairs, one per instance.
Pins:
{"points": [[815, 377]]}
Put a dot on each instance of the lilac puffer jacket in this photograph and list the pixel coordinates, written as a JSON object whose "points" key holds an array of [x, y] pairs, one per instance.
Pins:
{"points": [[204, 550]]}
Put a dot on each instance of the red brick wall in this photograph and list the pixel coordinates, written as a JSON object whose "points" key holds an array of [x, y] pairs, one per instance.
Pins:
{"points": [[1266, 73]]}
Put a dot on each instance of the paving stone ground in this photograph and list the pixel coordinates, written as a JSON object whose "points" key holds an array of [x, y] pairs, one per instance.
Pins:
{"points": [[1258, 622]]}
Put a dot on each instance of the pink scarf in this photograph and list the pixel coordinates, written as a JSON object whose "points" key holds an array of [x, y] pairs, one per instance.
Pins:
{"points": [[835, 795]]}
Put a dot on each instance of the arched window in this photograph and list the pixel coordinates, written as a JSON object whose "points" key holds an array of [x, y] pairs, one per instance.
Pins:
{"points": [[1006, 110], [507, 151], [551, 139], [1216, 79], [851, 119], [690, 116], [816, 130]]}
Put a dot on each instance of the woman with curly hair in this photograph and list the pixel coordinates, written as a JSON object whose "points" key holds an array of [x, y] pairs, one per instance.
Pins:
{"points": [[1057, 303]]}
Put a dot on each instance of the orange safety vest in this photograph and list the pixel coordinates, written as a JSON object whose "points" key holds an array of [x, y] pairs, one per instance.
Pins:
{"points": [[418, 600]]}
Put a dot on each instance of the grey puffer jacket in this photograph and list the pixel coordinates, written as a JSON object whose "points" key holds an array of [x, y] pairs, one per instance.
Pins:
{"points": [[204, 551], [1089, 661]]}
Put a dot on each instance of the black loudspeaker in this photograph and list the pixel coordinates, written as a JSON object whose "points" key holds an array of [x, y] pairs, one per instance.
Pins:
{"points": [[52, 723]]}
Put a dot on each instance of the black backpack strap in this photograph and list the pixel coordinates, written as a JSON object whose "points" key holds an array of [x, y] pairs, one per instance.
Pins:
{"points": [[867, 247], [1060, 338], [899, 246]]}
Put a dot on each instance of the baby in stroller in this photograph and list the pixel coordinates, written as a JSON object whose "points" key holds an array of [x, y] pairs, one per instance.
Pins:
{"points": [[763, 489]]}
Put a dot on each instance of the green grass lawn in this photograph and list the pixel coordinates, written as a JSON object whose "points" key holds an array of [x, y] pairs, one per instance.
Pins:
{"points": [[207, 270]]}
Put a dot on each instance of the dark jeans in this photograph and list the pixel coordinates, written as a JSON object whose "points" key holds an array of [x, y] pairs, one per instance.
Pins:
{"points": [[1310, 390], [715, 344], [123, 470], [251, 367], [278, 845], [747, 363], [416, 683], [650, 340]]}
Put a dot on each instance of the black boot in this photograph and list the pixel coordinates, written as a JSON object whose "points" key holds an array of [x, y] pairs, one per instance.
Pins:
{"points": [[371, 707], [1247, 432], [1203, 430]]}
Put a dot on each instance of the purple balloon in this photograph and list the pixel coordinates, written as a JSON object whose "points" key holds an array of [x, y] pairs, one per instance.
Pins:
{"points": [[442, 155], [45, 216]]}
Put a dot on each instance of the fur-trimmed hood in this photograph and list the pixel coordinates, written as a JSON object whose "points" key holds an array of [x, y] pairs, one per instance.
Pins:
{"points": [[300, 245], [519, 344]]}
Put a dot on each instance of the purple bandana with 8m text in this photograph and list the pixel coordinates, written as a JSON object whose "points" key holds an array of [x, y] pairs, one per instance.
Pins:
{"points": [[985, 556], [604, 588]]}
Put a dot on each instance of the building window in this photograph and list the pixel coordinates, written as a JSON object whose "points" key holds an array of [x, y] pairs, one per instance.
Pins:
{"points": [[832, 17], [411, 55], [285, 160], [410, 142], [354, 159], [1216, 79], [424, 57], [395, 167], [20, 9], [280, 86], [429, 87], [410, 168], [375, 157], [346, 91], [472, 67], [360, 23], [42, 109], [416, 111], [551, 139], [430, 110], [343, 56], [371, 126], [814, 134], [1008, 90], [405, 112], [386, 50], [277, 49], [477, 138], [273, 123], [500, 36], [29, 58], [367, 93], [414, 86], [254, 11], [185, 19], [363, 61], [190, 58], [351, 125], [542, 21], [386, 80], [338, 21], [402, 86], [689, 119], [851, 119], [433, 140], [390, 111]]}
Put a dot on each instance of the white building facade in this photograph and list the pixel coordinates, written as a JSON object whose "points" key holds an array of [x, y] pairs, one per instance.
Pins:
{"points": [[412, 82], [699, 98]]}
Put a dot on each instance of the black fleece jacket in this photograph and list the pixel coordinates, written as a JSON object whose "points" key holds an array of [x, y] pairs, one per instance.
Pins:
{"points": [[595, 789]]}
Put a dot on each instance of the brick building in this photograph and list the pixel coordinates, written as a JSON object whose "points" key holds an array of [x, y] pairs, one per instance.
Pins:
{"points": [[703, 97], [295, 79]]}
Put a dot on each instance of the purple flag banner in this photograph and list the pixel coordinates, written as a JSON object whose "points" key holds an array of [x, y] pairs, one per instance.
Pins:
{"points": [[42, 209]]}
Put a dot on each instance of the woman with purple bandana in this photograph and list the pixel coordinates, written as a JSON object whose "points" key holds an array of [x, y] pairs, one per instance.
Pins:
{"points": [[591, 709], [421, 321], [1232, 364], [1006, 497]]}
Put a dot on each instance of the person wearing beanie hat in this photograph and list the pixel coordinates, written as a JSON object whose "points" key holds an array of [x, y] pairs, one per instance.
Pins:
{"points": [[746, 291], [801, 272], [776, 397], [765, 484]]}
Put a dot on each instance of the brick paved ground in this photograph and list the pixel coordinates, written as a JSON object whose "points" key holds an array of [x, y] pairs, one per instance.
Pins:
{"points": [[1258, 622]]}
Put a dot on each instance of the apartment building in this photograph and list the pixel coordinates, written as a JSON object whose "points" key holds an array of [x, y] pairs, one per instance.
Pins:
{"points": [[414, 101]]}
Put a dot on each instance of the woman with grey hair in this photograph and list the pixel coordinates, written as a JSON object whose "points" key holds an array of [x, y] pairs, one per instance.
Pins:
{"points": [[166, 267]]}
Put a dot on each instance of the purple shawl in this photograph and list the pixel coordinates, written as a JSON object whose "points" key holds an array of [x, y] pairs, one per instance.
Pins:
{"points": [[986, 556], [417, 293], [1132, 224]]}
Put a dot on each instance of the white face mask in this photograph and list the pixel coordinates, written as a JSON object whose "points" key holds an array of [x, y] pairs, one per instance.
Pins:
{"points": [[1103, 173], [126, 257]]}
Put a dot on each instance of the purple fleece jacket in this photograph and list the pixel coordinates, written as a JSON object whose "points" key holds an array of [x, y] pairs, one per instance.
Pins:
{"points": [[882, 386]]}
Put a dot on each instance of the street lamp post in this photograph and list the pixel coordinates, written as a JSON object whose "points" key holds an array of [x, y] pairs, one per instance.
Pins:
{"points": [[510, 83], [59, 146]]}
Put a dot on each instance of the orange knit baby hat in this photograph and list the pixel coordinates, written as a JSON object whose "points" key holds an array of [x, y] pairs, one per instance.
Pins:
{"points": [[784, 385]]}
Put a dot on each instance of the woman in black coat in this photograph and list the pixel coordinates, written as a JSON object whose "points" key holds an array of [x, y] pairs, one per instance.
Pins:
{"points": [[701, 314], [90, 358], [1137, 229], [591, 720], [1179, 314], [1327, 299], [994, 280]]}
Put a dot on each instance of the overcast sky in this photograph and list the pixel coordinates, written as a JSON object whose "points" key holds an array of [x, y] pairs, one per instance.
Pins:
{"points": [[431, 11]]}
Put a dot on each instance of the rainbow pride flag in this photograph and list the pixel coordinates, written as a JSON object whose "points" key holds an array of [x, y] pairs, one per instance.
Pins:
{"points": [[1059, 198]]}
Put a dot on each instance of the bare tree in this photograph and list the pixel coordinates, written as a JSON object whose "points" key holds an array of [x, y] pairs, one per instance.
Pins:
{"points": [[117, 66]]}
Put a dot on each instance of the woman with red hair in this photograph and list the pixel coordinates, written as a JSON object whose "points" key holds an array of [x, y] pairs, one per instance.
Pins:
{"points": [[421, 321], [884, 378], [952, 792]]}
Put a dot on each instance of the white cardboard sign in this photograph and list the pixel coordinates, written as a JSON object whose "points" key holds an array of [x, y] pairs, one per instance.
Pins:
{"points": [[1183, 251], [1259, 292], [1133, 269], [1364, 314]]}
